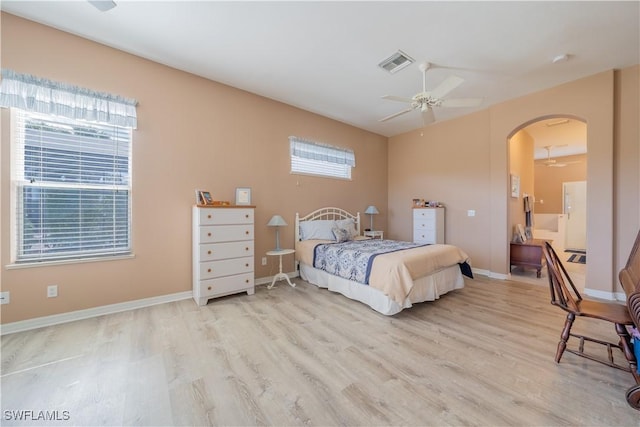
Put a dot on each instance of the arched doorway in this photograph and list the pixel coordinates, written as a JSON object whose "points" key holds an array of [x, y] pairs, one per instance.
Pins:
{"points": [[548, 156]]}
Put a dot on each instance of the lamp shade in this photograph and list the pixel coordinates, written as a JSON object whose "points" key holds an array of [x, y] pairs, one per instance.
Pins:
{"points": [[276, 220], [372, 210]]}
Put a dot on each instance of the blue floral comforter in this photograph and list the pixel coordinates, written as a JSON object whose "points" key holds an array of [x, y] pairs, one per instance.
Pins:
{"points": [[352, 260]]}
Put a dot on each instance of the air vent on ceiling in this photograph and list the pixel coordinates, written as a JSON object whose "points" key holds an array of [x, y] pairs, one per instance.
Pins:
{"points": [[396, 62]]}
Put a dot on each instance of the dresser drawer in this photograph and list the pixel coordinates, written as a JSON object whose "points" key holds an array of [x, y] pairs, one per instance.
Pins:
{"points": [[428, 214], [226, 285], [226, 267], [225, 216], [216, 251], [422, 225], [424, 236], [227, 233]]}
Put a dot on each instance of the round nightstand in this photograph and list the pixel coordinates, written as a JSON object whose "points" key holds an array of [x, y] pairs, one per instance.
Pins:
{"points": [[280, 275]]}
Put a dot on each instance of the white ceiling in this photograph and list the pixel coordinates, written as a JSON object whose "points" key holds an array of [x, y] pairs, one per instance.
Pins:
{"points": [[323, 56]]}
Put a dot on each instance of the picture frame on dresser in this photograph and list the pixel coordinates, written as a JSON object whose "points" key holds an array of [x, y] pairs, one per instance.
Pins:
{"points": [[205, 198], [243, 196]]}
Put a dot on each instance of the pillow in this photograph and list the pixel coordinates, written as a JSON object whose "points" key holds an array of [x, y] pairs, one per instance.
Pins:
{"points": [[349, 225], [341, 234], [317, 230]]}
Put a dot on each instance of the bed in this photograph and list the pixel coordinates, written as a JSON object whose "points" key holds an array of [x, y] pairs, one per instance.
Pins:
{"points": [[388, 275]]}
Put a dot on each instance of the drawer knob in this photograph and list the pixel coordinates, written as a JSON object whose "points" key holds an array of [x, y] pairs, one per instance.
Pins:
{"points": [[246, 265], [246, 249], [246, 281], [209, 234], [208, 270], [209, 216], [209, 288], [246, 216], [246, 232], [208, 252]]}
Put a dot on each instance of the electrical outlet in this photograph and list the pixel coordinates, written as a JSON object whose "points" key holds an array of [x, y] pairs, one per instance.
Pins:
{"points": [[264, 260], [5, 297], [471, 212], [52, 291]]}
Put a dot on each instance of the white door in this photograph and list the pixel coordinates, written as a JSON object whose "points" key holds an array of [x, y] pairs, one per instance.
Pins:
{"points": [[575, 209]]}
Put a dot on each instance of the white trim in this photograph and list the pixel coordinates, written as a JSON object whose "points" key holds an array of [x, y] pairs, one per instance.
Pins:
{"points": [[56, 319], [69, 261], [609, 296], [490, 274]]}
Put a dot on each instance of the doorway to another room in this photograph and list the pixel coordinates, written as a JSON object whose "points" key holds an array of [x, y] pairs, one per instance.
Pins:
{"points": [[549, 157]]}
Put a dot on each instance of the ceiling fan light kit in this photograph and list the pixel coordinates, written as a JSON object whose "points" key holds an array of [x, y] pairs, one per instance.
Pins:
{"points": [[425, 101]]}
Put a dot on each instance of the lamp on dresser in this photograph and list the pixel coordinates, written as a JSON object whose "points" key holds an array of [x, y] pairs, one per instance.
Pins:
{"points": [[371, 211], [277, 221]]}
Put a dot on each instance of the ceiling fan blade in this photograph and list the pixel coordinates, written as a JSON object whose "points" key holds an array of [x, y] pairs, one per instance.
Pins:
{"points": [[427, 116], [103, 5], [446, 86], [397, 98], [384, 119], [461, 102]]}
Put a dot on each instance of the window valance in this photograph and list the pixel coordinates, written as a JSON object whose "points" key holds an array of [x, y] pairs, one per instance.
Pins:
{"points": [[324, 152], [38, 95]]}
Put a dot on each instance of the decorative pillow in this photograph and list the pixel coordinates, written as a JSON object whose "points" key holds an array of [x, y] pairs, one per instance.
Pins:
{"points": [[341, 234], [317, 230], [349, 225]]}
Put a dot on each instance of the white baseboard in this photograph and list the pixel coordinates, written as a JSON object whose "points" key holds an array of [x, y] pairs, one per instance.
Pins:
{"points": [[490, 274], [56, 319], [610, 296]]}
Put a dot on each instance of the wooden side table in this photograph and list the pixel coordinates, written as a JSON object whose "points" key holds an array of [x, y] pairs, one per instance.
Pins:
{"points": [[528, 254], [280, 275], [374, 234]]}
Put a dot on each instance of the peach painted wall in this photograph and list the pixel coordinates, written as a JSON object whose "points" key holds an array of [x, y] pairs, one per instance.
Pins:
{"points": [[521, 165], [548, 181], [626, 195], [192, 133], [483, 165], [448, 162]]}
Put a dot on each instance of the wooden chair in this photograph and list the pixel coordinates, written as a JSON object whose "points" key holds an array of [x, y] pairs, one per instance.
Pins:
{"points": [[630, 280], [565, 295]]}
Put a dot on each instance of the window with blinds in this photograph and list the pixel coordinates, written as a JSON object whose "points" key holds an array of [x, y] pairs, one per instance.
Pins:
{"points": [[72, 182], [312, 158]]}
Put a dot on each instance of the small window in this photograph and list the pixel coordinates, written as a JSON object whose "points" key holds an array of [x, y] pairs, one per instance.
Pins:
{"points": [[312, 158], [72, 182]]}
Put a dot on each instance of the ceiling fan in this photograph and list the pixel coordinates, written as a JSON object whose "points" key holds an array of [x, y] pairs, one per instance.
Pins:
{"points": [[103, 5], [425, 101], [549, 162]]}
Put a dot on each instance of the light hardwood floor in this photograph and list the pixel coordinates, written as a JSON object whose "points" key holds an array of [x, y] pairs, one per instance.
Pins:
{"points": [[482, 355]]}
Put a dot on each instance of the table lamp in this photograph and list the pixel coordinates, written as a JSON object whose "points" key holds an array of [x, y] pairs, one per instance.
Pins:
{"points": [[371, 210], [277, 221]]}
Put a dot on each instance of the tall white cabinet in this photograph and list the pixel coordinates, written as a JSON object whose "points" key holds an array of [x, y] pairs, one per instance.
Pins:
{"points": [[428, 225], [223, 251]]}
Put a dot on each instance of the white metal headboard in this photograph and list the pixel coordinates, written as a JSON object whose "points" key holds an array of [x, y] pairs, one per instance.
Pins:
{"points": [[326, 214]]}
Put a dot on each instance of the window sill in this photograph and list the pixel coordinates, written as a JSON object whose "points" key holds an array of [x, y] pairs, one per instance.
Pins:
{"points": [[17, 266]]}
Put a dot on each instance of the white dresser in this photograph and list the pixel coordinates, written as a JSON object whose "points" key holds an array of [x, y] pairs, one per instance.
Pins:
{"points": [[223, 250], [428, 225]]}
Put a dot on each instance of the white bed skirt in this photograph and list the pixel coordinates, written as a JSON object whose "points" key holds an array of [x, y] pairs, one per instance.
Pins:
{"points": [[428, 288]]}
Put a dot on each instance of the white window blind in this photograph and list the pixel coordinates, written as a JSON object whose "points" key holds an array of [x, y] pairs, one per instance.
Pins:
{"points": [[312, 158], [72, 182]]}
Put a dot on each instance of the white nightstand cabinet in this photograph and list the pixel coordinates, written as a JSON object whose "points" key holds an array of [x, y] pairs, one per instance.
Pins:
{"points": [[428, 225], [223, 251]]}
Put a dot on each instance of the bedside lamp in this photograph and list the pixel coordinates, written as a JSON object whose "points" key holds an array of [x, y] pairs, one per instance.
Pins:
{"points": [[277, 221], [371, 210]]}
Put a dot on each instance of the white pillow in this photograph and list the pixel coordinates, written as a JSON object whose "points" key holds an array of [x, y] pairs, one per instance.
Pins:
{"points": [[341, 235], [317, 230], [349, 225]]}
